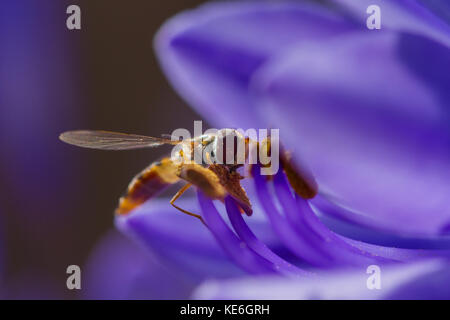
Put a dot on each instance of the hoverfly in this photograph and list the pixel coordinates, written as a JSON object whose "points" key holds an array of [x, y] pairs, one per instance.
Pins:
{"points": [[216, 180]]}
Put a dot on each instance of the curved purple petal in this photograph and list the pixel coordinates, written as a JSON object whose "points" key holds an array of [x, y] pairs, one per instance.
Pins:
{"points": [[300, 215], [343, 251], [211, 53], [178, 239], [341, 284], [236, 249], [431, 286], [246, 235], [119, 269], [301, 244], [342, 221], [207, 60], [374, 135], [183, 241], [404, 15], [438, 7]]}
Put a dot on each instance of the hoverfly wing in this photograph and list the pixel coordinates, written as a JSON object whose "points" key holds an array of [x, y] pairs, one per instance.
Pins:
{"points": [[107, 140]]}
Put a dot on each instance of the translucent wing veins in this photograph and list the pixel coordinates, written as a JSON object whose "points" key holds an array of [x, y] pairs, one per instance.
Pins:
{"points": [[107, 140]]}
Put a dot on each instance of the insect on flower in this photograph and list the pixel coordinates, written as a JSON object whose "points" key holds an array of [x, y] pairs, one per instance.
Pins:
{"points": [[214, 176]]}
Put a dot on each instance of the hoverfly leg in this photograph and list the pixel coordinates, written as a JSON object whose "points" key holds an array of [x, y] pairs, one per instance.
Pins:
{"points": [[179, 194]]}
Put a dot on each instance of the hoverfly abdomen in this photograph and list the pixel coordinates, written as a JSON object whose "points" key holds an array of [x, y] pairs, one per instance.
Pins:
{"points": [[149, 183]]}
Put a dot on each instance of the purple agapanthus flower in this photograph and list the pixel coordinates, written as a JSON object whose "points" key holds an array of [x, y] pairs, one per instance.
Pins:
{"points": [[119, 269], [366, 111]]}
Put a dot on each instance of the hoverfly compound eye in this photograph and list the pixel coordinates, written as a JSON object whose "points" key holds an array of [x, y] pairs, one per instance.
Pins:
{"points": [[229, 147]]}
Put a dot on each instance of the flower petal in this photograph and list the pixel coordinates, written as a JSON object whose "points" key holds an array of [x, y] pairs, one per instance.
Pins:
{"points": [[439, 7], [300, 243], [405, 15], [375, 136], [300, 215], [178, 239], [181, 240], [246, 235], [119, 269], [340, 250], [428, 286], [210, 54], [346, 284], [236, 249]]}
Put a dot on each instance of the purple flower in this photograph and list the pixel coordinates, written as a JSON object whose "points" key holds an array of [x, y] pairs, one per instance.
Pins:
{"points": [[119, 269], [423, 280], [364, 111]]}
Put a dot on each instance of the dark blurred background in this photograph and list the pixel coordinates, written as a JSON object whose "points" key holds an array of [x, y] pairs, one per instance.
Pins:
{"points": [[58, 200]]}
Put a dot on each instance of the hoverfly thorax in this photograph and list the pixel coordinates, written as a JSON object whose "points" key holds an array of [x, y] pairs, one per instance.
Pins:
{"points": [[229, 148], [226, 147]]}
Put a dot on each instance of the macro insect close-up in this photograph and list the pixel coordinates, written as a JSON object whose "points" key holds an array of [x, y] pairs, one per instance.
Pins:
{"points": [[263, 150], [216, 178]]}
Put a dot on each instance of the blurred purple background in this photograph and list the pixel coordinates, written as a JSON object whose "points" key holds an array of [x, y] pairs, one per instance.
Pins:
{"points": [[57, 200]]}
